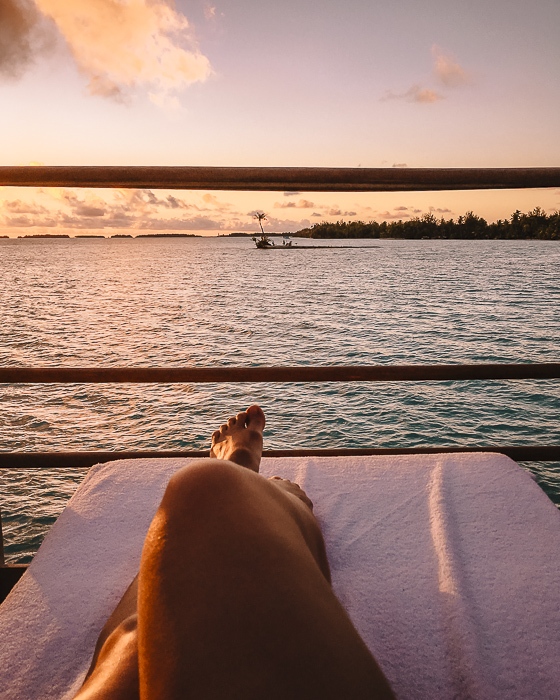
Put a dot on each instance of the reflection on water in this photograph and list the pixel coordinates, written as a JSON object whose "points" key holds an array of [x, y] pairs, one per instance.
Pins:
{"points": [[201, 302]]}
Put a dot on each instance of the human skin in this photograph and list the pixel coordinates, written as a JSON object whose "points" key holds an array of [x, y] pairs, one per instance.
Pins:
{"points": [[233, 597]]}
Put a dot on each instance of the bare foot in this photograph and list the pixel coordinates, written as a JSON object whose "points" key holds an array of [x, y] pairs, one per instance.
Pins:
{"points": [[294, 489], [240, 439]]}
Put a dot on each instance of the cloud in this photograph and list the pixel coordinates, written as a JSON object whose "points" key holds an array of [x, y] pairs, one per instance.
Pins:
{"points": [[84, 210], [416, 93], [291, 194], [122, 209], [122, 48], [448, 72], [23, 35], [441, 211], [171, 202], [337, 211], [302, 204], [16, 206], [422, 95], [27, 222], [94, 209], [391, 215], [196, 223], [215, 203], [400, 165], [209, 12], [284, 225]]}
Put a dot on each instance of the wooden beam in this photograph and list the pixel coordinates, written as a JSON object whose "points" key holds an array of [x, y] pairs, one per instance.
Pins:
{"points": [[278, 179], [365, 373], [70, 460]]}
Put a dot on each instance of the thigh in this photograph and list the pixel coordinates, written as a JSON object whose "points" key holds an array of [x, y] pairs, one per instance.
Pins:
{"points": [[234, 603]]}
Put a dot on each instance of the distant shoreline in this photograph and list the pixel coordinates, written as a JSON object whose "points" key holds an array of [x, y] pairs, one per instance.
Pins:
{"points": [[116, 235], [535, 225], [293, 236]]}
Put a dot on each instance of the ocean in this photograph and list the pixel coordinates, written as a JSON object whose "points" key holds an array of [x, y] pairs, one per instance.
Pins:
{"points": [[221, 302]]}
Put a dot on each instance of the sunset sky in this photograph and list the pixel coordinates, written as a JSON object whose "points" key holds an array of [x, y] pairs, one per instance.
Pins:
{"points": [[359, 83]]}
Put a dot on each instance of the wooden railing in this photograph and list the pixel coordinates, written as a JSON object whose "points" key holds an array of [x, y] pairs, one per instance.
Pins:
{"points": [[278, 179], [194, 375], [9, 575]]}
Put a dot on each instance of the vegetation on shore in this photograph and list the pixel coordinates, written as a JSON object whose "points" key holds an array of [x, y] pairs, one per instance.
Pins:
{"points": [[536, 224]]}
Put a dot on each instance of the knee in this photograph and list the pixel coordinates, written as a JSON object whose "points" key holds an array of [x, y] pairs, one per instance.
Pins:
{"points": [[205, 484]]}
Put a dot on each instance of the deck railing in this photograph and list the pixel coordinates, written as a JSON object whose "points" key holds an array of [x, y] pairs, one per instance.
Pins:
{"points": [[271, 179], [9, 575], [197, 375], [278, 179]]}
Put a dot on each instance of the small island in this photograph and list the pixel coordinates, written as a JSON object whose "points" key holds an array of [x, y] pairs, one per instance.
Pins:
{"points": [[168, 235], [45, 235]]}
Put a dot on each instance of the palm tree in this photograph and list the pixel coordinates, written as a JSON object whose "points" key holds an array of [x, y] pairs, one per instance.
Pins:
{"points": [[260, 216], [264, 241]]}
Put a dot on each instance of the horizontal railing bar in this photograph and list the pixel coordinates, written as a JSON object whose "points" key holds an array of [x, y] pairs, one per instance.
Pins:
{"points": [[365, 373], [48, 460], [278, 179]]}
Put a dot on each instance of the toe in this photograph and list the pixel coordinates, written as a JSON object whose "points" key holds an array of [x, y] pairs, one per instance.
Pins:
{"points": [[216, 436], [255, 417], [241, 418], [232, 421]]}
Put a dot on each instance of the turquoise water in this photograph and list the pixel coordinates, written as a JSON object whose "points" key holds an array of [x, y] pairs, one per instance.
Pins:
{"points": [[219, 301]]}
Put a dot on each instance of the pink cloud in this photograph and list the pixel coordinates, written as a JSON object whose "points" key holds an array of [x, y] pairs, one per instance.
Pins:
{"points": [[448, 72], [416, 93], [122, 48]]}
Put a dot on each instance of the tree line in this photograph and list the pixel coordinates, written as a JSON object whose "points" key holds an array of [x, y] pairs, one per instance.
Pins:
{"points": [[535, 224]]}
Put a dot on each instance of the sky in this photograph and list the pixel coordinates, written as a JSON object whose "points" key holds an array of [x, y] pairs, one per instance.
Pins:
{"points": [[359, 83]]}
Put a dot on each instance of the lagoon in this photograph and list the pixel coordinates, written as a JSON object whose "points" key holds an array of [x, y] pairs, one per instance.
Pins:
{"points": [[220, 301]]}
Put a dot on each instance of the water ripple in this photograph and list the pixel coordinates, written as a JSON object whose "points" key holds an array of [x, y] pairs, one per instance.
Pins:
{"points": [[220, 302]]}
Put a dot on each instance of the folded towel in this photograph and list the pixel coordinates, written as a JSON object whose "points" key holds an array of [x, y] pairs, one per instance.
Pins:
{"points": [[447, 564]]}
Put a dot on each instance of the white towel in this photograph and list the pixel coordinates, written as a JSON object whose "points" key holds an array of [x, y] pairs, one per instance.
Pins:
{"points": [[447, 564]]}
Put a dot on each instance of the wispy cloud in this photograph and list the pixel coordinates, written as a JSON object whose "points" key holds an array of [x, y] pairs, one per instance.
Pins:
{"points": [[301, 204], [275, 225], [328, 209], [209, 12], [128, 209], [448, 74], [16, 206], [122, 48], [447, 71], [389, 215], [416, 93]]}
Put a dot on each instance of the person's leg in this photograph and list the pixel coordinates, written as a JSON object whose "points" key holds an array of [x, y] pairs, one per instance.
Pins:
{"points": [[234, 599]]}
